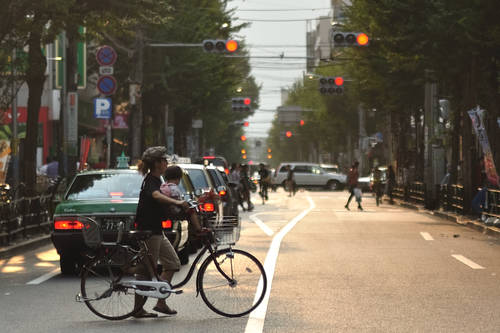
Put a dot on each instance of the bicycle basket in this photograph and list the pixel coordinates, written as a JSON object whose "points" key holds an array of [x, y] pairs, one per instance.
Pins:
{"points": [[226, 230], [91, 232]]}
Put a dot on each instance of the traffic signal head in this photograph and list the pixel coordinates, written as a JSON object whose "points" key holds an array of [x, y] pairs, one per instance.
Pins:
{"points": [[302, 122], [341, 39], [220, 45], [243, 138], [241, 103], [288, 134], [331, 86], [246, 123]]}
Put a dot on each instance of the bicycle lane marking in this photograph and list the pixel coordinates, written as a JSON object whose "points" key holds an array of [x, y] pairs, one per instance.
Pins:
{"points": [[256, 319], [261, 224]]}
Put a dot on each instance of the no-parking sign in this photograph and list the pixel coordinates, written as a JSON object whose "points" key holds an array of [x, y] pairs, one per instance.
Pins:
{"points": [[106, 56], [106, 85]]}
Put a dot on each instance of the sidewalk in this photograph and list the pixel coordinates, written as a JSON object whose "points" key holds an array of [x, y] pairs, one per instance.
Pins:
{"points": [[24, 245], [467, 221]]}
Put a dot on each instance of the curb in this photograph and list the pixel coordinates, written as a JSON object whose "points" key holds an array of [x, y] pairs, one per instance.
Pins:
{"points": [[459, 219], [9, 251]]}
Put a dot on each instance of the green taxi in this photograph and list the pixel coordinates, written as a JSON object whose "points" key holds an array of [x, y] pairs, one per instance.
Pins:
{"points": [[109, 197]]}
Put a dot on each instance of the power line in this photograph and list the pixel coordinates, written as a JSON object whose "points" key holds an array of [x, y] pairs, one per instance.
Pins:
{"points": [[283, 20], [282, 10]]}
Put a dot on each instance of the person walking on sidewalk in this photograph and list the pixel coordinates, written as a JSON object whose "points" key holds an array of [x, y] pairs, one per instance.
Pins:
{"points": [[352, 182], [391, 182]]}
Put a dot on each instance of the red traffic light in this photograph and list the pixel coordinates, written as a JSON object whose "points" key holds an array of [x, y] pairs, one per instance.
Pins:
{"points": [[339, 81], [362, 39], [302, 122], [247, 101], [243, 138], [246, 123], [231, 45], [288, 134]]}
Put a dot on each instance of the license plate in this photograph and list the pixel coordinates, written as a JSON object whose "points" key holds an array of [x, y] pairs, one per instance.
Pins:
{"points": [[110, 224]]}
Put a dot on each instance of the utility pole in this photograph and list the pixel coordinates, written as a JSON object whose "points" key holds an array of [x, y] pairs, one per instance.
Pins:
{"points": [[15, 143], [362, 137], [430, 106], [137, 114]]}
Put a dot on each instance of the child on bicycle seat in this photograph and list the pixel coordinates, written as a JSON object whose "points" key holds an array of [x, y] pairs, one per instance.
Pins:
{"points": [[171, 189]]}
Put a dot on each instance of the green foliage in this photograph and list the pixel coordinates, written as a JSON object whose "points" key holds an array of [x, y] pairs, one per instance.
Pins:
{"points": [[457, 39]]}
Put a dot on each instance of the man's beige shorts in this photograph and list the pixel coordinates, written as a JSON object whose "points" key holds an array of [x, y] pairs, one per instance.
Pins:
{"points": [[160, 248]]}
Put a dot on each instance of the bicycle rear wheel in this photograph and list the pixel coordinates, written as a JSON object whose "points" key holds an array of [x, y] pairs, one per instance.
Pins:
{"points": [[104, 294], [242, 293]]}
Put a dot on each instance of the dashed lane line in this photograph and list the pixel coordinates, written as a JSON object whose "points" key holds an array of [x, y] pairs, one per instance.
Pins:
{"points": [[427, 236], [467, 262], [255, 322], [45, 277]]}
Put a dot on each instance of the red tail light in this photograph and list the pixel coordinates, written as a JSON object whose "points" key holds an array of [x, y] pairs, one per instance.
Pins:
{"points": [[68, 225], [167, 224], [222, 193], [226, 170], [207, 207]]}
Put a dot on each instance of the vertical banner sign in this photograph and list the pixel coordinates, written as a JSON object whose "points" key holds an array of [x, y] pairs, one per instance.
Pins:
{"points": [[4, 159], [84, 151], [477, 116], [170, 140], [81, 60], [72, 124]]}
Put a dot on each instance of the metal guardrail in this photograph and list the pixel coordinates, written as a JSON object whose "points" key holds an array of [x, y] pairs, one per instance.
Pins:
{"points": [[24, 217], [492, 209], [451, 198]]}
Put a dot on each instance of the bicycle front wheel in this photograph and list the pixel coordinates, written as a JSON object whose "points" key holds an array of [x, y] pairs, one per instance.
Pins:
{"points": [[239, 290], [103, 291]]}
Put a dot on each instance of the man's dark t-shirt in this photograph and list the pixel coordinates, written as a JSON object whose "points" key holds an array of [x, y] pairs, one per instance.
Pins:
{"points": [[150, 212]]}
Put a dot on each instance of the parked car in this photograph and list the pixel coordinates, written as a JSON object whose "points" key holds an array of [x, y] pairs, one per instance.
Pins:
{"points": [[308, 175], [226, 192], [109, 197]]}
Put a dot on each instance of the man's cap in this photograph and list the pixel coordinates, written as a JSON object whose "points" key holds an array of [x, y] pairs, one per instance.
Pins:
{"points": [[155, 153]]}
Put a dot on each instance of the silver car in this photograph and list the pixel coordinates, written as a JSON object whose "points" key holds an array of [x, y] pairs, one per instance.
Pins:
{"points": [[309, 175]]}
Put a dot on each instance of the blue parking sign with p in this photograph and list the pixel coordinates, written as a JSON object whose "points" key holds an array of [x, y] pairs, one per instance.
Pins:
{"points": [[102, 108]]}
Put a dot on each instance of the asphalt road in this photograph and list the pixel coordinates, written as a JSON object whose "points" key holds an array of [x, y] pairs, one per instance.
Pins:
{"points": [[385, 269]]}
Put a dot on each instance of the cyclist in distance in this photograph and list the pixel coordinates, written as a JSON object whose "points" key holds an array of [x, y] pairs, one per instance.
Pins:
{"points": [[265, 179], [149, 216]]}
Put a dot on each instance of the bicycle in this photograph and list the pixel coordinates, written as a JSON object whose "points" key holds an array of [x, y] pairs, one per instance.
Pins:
{"points": [[231, 282]]}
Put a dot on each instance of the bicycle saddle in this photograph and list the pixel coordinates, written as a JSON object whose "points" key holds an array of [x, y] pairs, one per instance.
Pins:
{"points": [[139, 234]]}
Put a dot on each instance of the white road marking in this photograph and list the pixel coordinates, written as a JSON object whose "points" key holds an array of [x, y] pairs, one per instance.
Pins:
{"points": [[261, 224], [427, 236], [45, 277], [255, 322], [467, 262]]}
